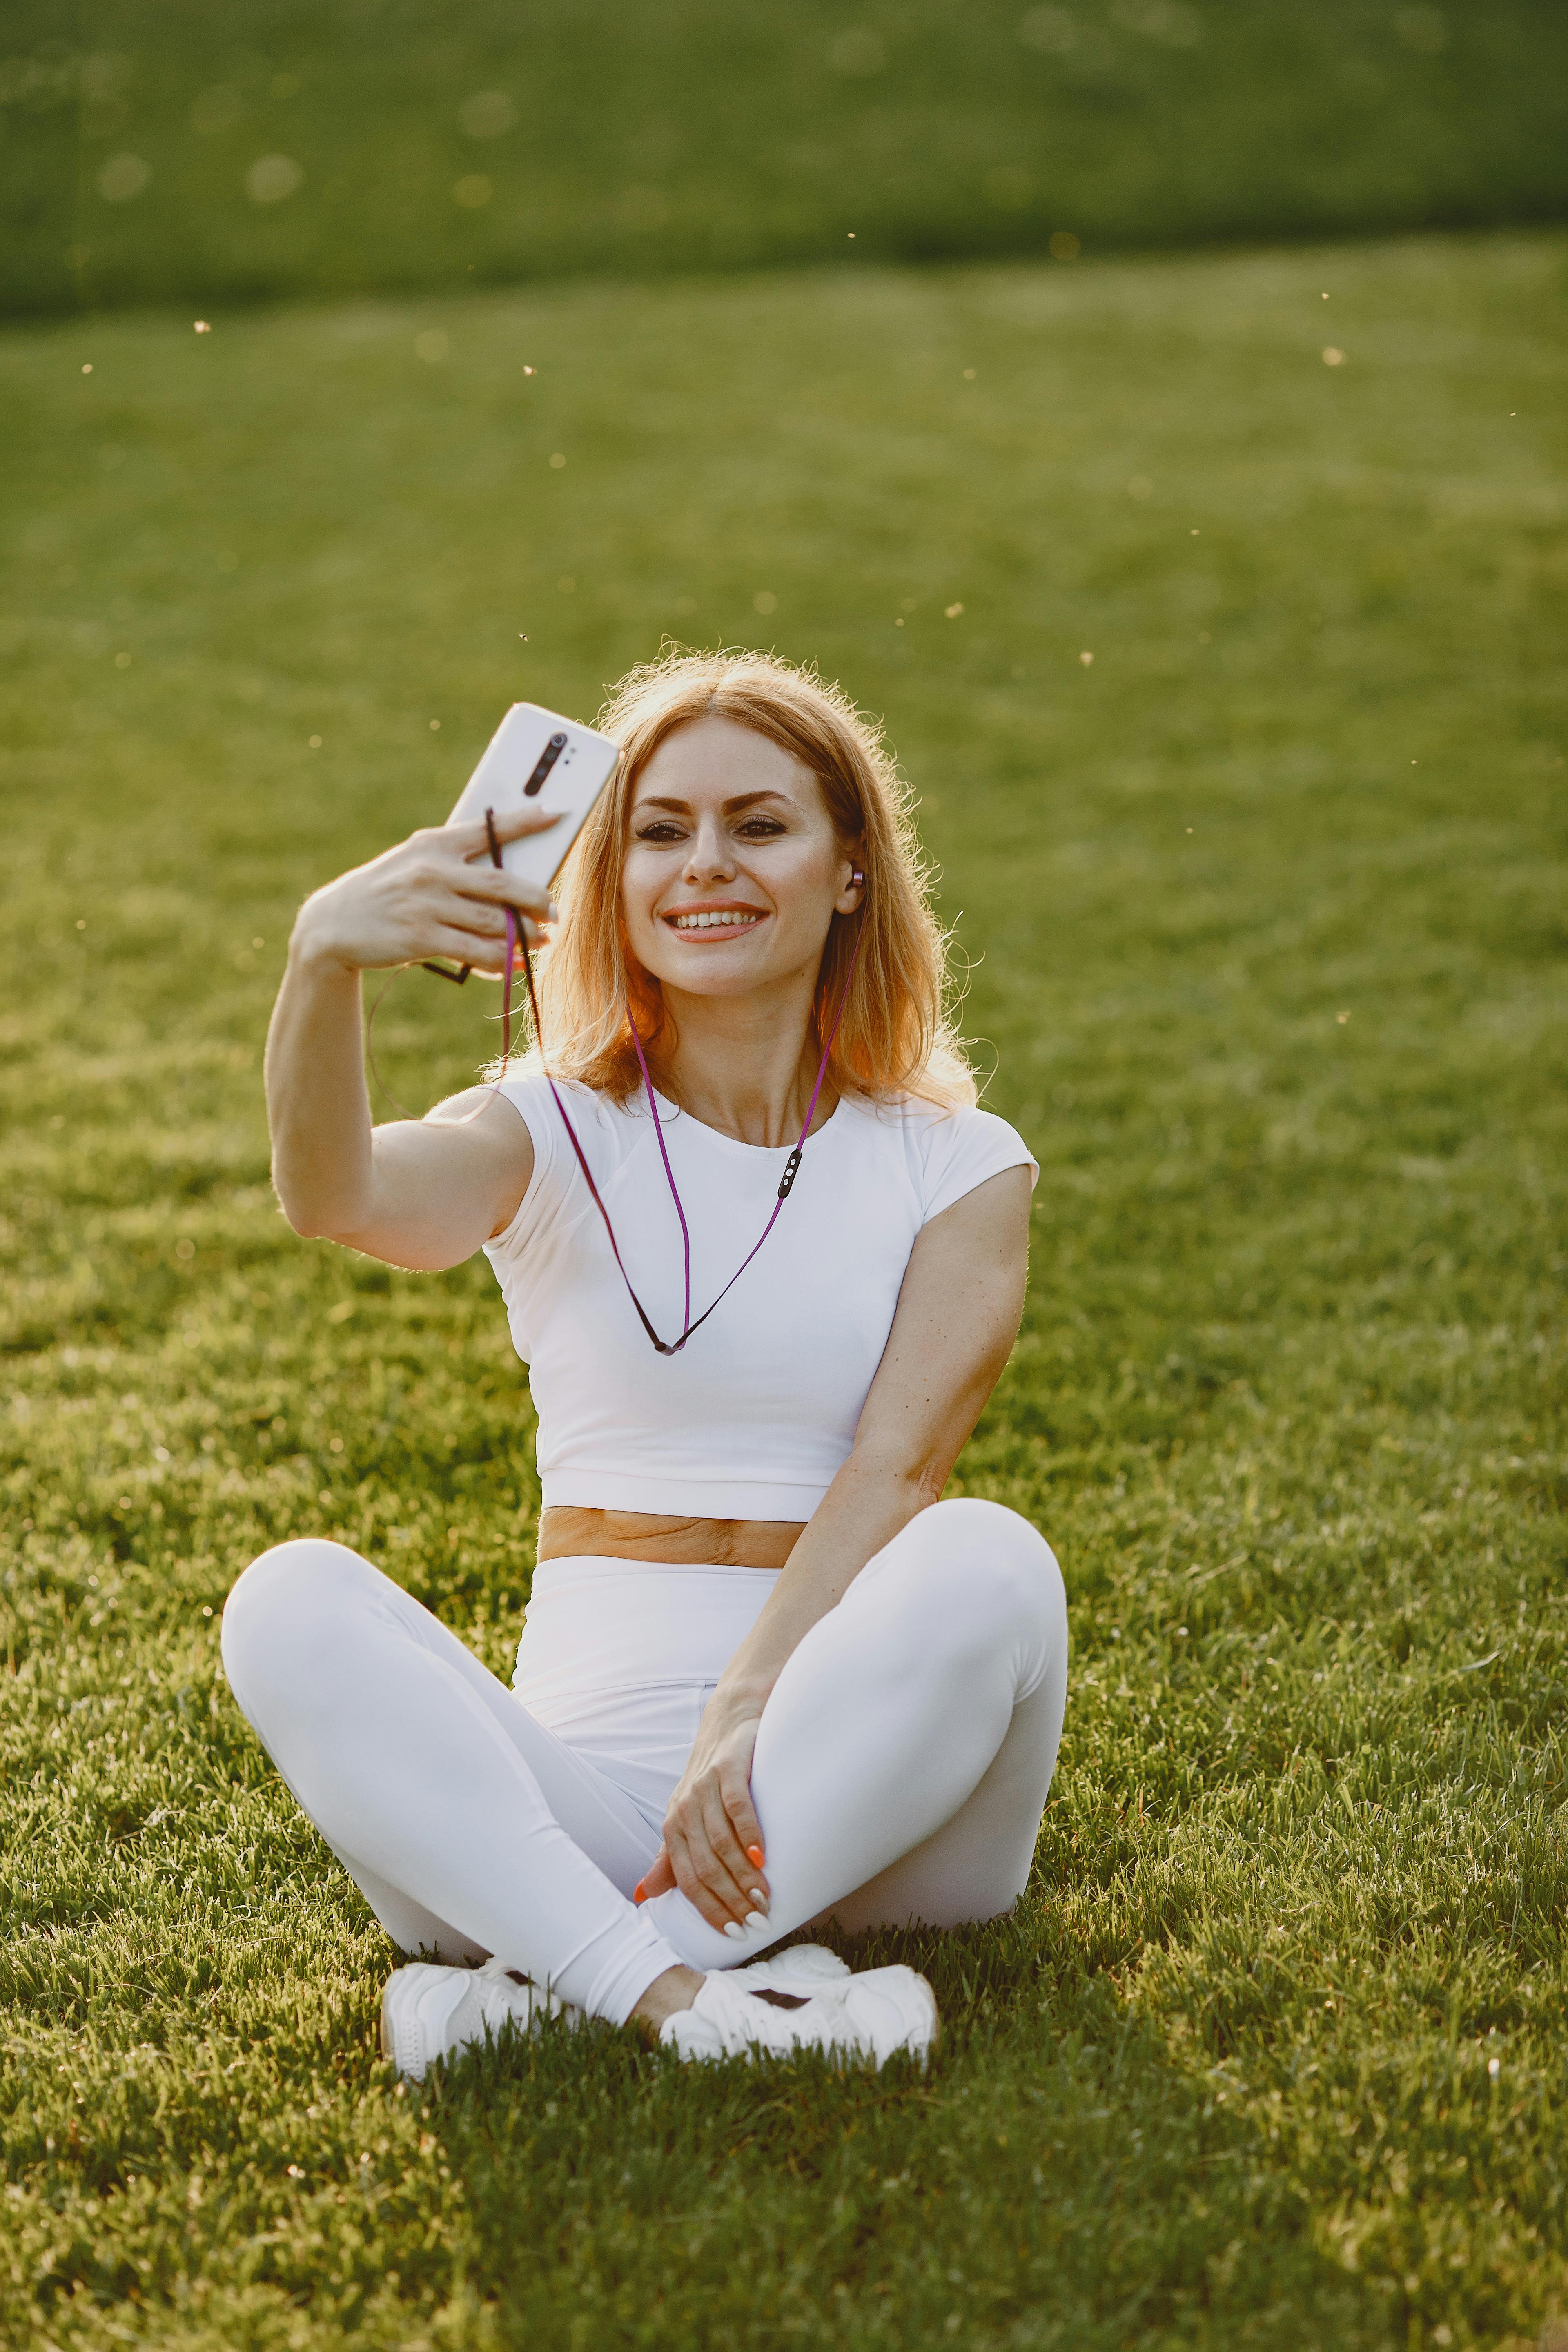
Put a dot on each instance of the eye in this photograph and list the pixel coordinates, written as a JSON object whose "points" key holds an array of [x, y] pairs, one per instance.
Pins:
{"points": [[662, 829], [760, 828]]}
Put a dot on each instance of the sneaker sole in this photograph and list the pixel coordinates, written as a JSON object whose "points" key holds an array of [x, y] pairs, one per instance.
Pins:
{"points": [[548, 2010], [385, 2034]]}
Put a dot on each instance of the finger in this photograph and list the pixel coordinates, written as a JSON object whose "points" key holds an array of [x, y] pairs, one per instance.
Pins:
{"points": [[482, 955], [480, 878], [486, 922], [480, 917], [700, 1897], [474, 840], [493, 886], [447, 940], [524, 820], [711, 1873], [657, 1879], [723, 1867], [740, 1890], [748, 1832]]}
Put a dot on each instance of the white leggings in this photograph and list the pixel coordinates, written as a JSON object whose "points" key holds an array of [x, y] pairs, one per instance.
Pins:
{"points": [[901, 1763]]}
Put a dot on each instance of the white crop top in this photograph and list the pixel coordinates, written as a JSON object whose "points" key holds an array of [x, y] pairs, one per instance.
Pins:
{"points": [[754, 1416]]}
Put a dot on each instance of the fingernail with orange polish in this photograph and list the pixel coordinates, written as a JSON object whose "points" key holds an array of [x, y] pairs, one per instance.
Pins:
{"points": [[755, 1853], [640, 1893]]}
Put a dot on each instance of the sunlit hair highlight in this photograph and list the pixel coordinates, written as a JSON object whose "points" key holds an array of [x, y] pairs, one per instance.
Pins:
{"points": [[897, 1036]]}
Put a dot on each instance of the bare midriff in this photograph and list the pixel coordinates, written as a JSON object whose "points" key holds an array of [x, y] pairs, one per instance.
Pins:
{"points": [[566, 1532]]}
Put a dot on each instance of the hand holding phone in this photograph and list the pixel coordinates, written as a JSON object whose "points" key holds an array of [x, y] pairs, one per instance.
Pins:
{"points": [[439, 895], [436, 894]]}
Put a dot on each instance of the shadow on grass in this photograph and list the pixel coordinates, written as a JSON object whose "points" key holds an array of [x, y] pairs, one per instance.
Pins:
{"points": [[1052, 2179]]}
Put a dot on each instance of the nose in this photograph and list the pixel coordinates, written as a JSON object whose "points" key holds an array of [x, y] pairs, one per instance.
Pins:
{"points": [[710, 858]]}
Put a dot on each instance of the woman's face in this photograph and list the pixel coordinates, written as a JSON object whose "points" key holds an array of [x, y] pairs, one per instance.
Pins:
{"points": [[732, 871]]}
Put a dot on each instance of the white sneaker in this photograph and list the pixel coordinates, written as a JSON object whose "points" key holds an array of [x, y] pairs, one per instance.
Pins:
{"points": [[866, 2017], [429, 2012]]}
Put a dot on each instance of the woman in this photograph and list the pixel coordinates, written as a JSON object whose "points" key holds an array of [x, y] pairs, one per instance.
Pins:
{"points": [[766, 1677]]}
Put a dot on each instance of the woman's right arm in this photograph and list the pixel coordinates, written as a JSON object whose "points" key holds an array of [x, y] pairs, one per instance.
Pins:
{"points": [[428, 1192]]}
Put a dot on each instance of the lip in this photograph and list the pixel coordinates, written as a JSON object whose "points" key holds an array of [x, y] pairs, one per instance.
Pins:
{"points": [[747, 918]]}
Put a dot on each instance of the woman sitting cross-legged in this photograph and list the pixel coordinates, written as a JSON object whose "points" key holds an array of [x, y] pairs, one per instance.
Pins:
{"points": [[766, 1677]]}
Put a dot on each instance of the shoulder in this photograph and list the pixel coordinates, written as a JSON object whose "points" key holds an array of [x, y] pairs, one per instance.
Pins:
{"points": [[948, 1151], [540, 1101], [601, 1126]]}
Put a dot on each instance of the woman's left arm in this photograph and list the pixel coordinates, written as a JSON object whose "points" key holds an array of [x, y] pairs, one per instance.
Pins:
{"points": [[959, 1309]]}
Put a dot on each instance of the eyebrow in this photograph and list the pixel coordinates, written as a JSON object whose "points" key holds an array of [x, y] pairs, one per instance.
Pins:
{"points": [[731, 807]]}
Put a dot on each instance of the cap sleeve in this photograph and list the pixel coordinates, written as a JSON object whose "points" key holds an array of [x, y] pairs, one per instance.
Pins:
{"points": [[529, 1097], [961, 1150]]}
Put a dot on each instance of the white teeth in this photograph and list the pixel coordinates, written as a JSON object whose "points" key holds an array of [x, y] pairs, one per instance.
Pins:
{"points": [[713, 921]]}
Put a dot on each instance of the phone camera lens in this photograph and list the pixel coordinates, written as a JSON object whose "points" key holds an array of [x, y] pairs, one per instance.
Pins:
{"points": [[545, 762]]}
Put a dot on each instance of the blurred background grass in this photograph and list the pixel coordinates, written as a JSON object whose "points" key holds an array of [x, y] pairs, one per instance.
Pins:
{"points": [[270, 147]]}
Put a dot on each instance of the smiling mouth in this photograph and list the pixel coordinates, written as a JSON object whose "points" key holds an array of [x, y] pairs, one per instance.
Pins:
{"points": [[693, 922]]}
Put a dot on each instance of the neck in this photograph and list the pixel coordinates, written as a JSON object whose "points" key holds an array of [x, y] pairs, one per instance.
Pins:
{"points": [[745, 1064]]}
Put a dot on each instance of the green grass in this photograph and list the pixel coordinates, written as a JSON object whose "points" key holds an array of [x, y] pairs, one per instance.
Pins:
{"points": [[1264, 906], [409, 142]]}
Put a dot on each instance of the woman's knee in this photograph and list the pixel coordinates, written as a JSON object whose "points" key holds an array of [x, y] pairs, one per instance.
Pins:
{"points": [[279, 1619], [997, 1562]]}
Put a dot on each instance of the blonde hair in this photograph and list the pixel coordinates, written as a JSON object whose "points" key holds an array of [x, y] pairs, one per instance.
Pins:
{"points": [[896, 1036]]}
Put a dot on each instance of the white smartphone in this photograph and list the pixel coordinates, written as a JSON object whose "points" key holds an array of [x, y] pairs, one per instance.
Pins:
{"points": [[537, 757]]}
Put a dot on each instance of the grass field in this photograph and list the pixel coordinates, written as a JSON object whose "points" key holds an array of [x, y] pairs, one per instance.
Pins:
{"points": [[282, 147], [1265, 910]]}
